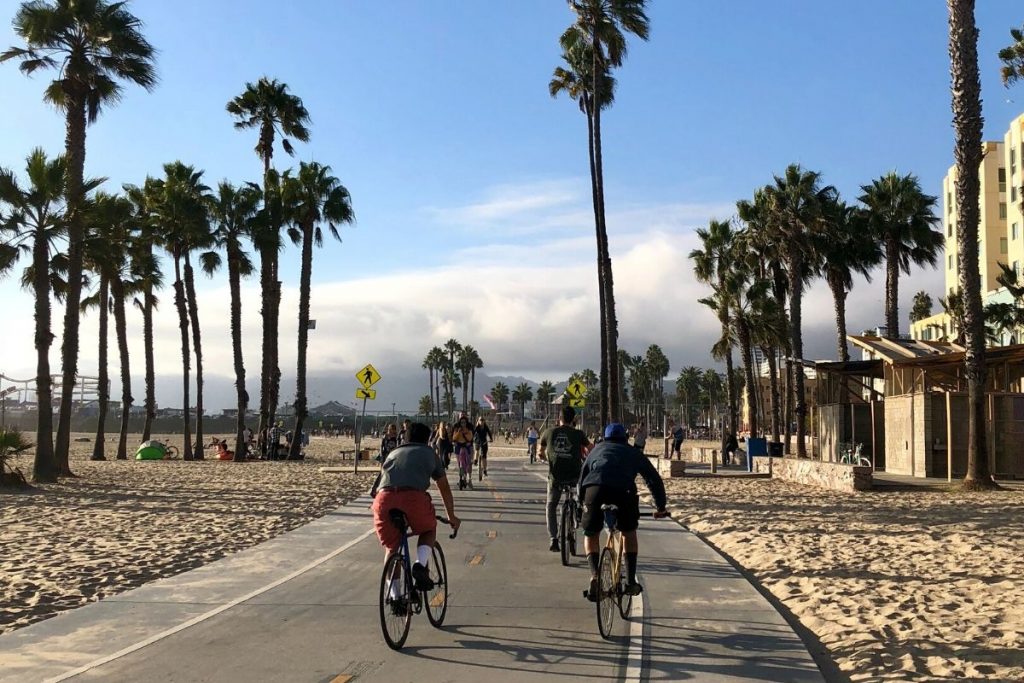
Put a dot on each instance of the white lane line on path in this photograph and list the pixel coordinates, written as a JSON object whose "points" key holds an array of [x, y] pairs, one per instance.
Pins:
{"points": [[635, 651], [212, 613]]}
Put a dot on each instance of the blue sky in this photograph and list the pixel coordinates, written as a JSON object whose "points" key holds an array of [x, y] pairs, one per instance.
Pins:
{"points": [[469, 181]]}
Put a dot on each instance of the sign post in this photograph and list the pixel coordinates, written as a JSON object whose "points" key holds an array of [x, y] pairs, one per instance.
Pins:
{"points": [[368, 376]]}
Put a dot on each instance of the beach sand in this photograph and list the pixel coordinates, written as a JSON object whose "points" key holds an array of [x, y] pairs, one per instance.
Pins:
{"points": [[899, 585], [120, 524]]}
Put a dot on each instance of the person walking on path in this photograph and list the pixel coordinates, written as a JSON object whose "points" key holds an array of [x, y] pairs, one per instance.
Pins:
{"points": [[677, 440], [563, 448], [388, 442]]}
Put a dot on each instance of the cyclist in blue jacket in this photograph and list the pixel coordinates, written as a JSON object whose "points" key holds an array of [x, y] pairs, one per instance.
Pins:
{"points": [[609, 478]]}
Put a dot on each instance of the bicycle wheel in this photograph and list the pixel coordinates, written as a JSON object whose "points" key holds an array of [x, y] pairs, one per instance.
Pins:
{"points": [[624, 599], [606, 594], [573, 522], [564, 531], [395, 613], [436, 600]]}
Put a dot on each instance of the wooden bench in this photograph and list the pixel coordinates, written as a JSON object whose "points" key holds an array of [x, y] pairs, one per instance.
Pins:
{"points": [[350, 454]]}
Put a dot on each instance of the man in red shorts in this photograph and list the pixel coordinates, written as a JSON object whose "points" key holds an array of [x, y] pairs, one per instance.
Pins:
{"points": [[404, 479]]}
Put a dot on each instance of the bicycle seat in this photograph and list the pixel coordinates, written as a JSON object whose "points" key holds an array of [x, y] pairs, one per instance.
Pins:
{"points": [[610, 508], [398, 519]]}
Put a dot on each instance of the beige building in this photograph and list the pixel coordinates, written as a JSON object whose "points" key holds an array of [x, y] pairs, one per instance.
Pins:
{"points": [[1001, 230]]}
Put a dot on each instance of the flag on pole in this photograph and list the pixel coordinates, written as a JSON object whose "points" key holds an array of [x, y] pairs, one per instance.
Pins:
{"points": [[490, 401]]}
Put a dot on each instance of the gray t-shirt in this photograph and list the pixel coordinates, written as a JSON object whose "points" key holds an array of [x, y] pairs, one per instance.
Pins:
{"points": [[411, 466]]}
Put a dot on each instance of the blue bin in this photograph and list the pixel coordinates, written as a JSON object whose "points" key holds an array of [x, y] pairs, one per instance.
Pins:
{"points": [[755, 447]]}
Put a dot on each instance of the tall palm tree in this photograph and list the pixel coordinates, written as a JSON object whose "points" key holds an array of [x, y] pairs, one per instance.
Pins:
{"points": [[922, 306], [545, 391], [522, 394], [428, 365], [967, 126], [901, 217], [599, 32], [233, 210], [92, 44], [276, 113], [768, 333], [314, 198], [500, 394], [659, 365], [452, 348], [32, 220], [711, 265], [475, 363], [436, 359], [687, 390], [1012, 57], [464, 364], [146, 267], [796, 200], [845, 247], [107, 254]]}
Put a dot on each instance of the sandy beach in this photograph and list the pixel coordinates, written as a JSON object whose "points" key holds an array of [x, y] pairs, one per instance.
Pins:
{"points": [[120, 524], [900, 585]]}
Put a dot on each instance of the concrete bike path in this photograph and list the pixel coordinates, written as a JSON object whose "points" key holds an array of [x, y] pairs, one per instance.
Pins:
{"points": [[303, 607]]}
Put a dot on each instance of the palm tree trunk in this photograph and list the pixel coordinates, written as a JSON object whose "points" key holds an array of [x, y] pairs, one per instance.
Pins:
{"points": [[472, 391], [186, 355], [788, 406], [773, 385], [266, 294], [437, 394], [968, 123], [75, 151], [197, 338], [295, 451], [147, 341], [121, 330], [839, 296], [892, 289], [602, 302], [605, 263], [241, 395], [748, 370], [796, 290], [275, 363], [44, 467], [99, 441]]}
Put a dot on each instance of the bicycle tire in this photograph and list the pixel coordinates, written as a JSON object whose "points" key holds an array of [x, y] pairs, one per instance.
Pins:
{"points": [[439, 594], [564, 529], [573, 523], [624, 599], [395, 627], [605, 595]]}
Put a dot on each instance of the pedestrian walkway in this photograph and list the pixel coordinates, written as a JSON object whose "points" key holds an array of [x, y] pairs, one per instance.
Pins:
{"points": [[303, 607]]}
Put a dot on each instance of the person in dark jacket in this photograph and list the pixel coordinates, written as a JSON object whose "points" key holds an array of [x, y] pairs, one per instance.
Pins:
{"points": [[609, 478]]}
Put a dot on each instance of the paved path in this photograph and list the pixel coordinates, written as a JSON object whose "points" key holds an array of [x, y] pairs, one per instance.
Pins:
{"points": [[302, 607]]}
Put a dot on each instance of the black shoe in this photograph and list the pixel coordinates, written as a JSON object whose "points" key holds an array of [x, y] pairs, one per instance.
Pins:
{"points": [[399, 607], [634, 588], [554, 545], [421, 578], [594, 591]]}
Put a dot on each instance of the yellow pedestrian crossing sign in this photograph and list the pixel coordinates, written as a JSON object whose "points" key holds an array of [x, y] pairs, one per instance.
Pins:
{"points": [[368, 376], [577, 393], [370, 394]]}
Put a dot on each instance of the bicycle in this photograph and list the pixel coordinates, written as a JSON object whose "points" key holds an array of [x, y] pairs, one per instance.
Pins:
{"points": [[396, 612], [849, 454], [464, 456], [481, 461], [531, 447], [612, 580], [568, 522]]}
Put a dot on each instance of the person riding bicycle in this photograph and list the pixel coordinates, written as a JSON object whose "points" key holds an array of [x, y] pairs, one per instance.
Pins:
{"points": [[609, 478], [566, 445], [481, 437], [531, 439], [402, 485], [462, 441]]}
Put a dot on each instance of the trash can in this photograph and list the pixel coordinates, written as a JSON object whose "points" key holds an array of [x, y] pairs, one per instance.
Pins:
{"points": [[775, 449], [757, 447]]}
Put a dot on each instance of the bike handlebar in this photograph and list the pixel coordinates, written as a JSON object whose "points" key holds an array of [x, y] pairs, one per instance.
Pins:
{"points": [[446, 521]]}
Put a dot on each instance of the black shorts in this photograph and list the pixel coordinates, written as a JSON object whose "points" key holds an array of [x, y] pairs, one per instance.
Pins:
{"points": [[481, 448], [593, 517]]}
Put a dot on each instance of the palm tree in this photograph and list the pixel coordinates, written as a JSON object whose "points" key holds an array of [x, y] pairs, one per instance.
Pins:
{"points": [[92, 45], [276, 113], [711, 266], [967, 124], [436, 358], [314, 198], [845, 247], [146, 267], [599, 32], [687, 390], [33, 221], [500, 393], [521, 395], [659, 366], [953, 306], [233, 210], [796, 200], [107, 254], [426, 406], [922, 306], [545, 391], [428, 365], [452, 348], [464, 363], [1012, 57], [475, 362], [900, 215]]}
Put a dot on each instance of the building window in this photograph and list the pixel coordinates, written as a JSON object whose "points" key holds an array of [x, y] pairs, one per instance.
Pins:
{"points": [[1013, 193], [1013, 231], [949, 203], [949, 229], [1016, 267], [1002, 180], [1003, 246], [1002, 210], [951, 262], [1013, 161]]}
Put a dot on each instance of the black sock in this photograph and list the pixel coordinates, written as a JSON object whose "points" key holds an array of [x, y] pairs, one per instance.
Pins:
{"points": [[631, 566], [592, 561]]}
